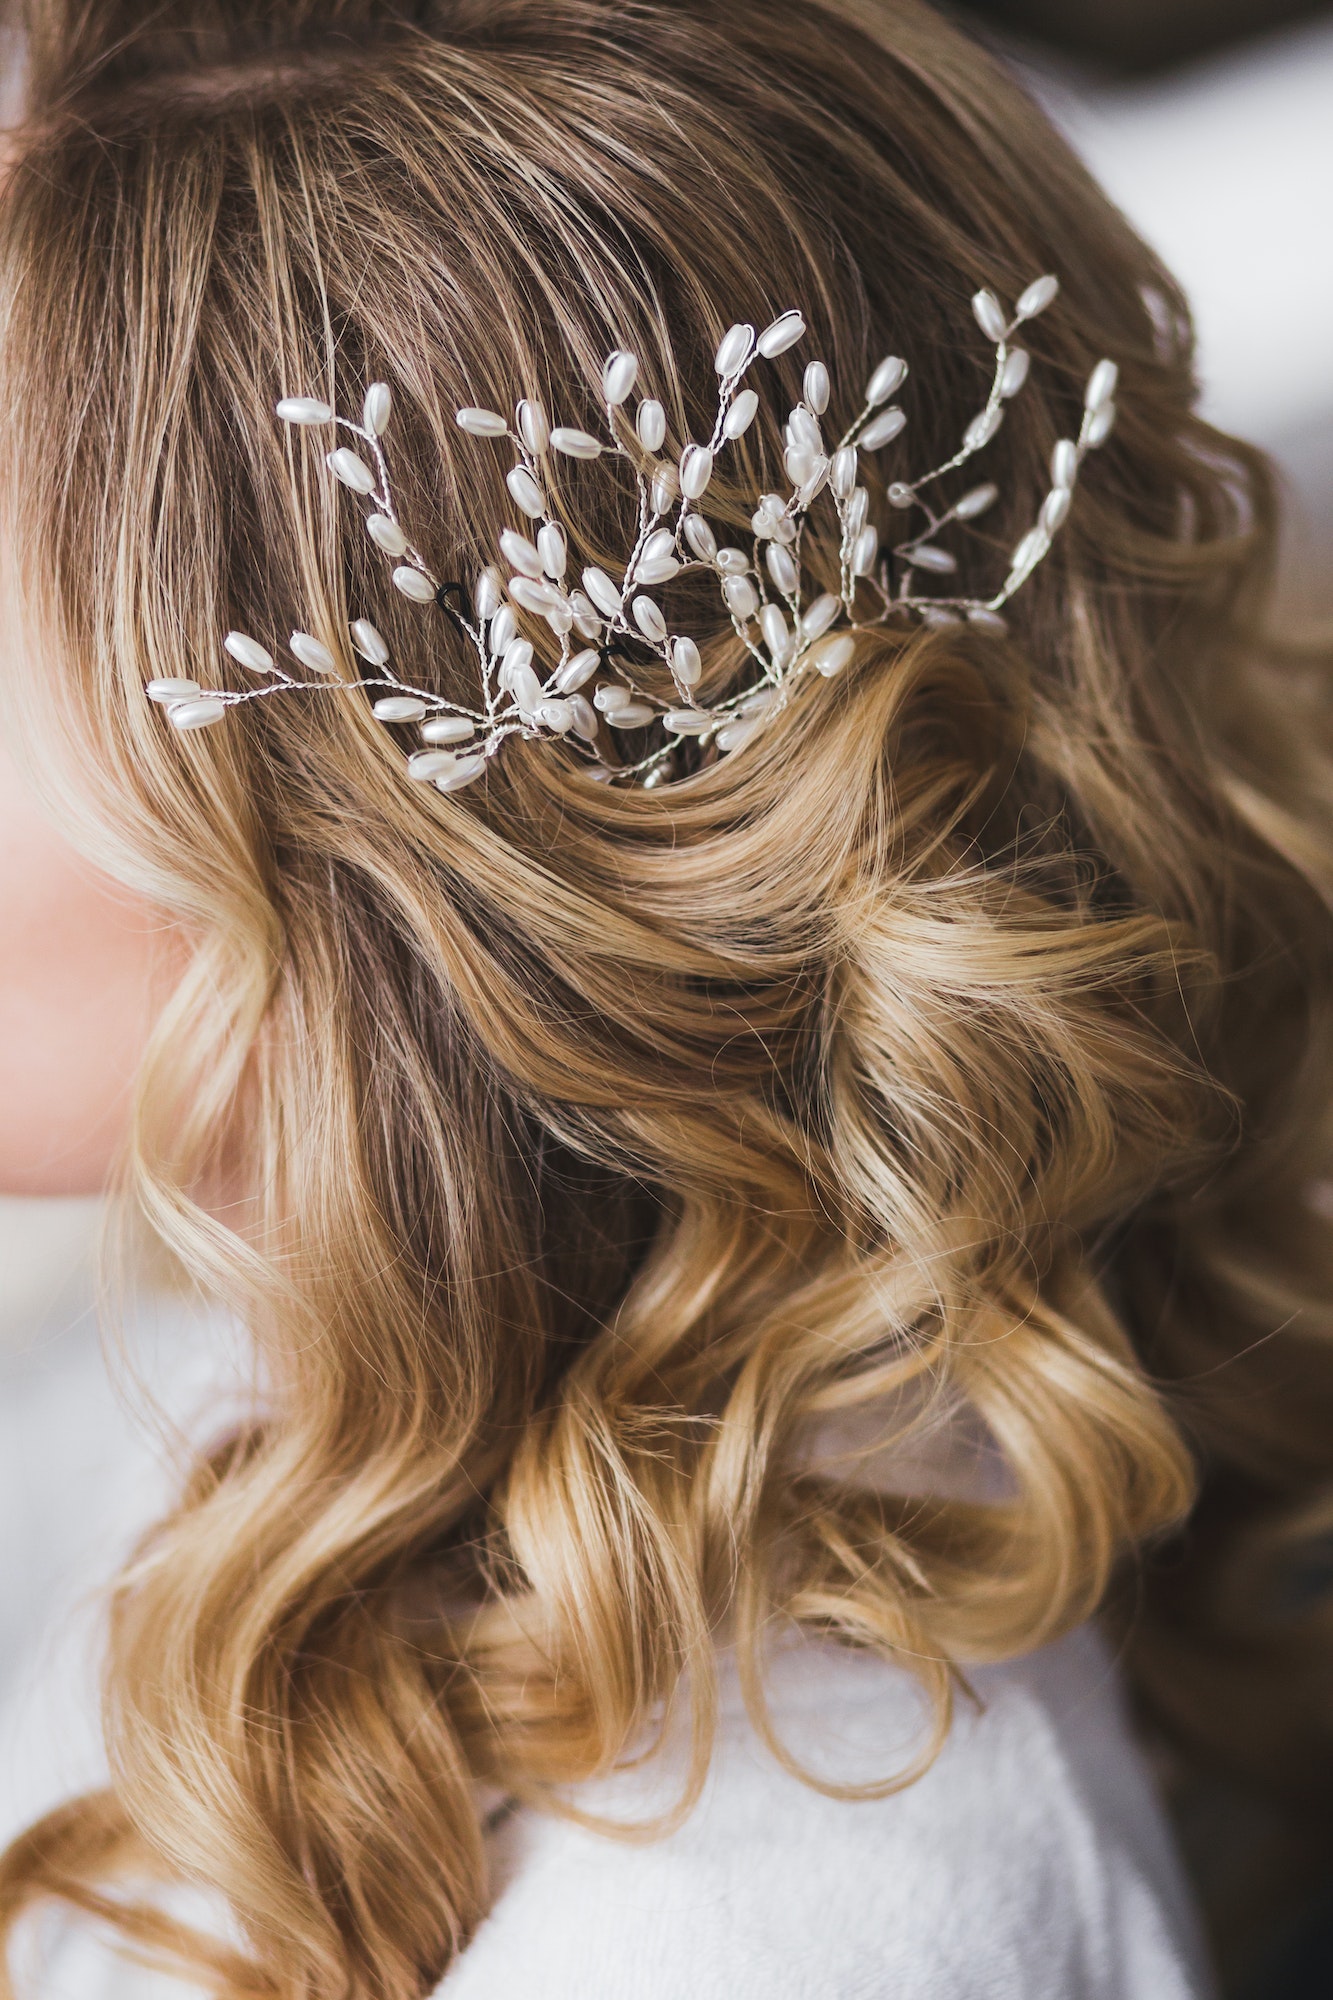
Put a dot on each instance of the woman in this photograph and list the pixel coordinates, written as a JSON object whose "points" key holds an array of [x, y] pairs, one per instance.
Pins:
{"points": [[752, 1218]]}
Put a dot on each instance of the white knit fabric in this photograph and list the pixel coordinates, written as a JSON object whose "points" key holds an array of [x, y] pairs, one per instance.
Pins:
{"points": [[1030, 1863]]}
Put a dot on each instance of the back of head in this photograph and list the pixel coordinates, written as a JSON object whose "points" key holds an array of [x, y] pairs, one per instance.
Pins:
{"points": [[965, 1039]]}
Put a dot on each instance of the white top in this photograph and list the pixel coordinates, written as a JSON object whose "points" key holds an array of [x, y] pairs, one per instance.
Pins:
{"points": [[1031, 1863]]}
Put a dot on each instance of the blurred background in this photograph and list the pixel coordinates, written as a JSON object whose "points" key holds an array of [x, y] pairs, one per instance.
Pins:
{"points": [[1211, 123]]}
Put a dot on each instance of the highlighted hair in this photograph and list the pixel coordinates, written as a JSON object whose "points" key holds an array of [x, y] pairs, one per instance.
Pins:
{"points": [[966, 1041]]}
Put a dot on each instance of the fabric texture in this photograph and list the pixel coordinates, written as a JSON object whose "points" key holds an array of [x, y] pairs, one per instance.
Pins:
{"points": [[1031, 1862]]}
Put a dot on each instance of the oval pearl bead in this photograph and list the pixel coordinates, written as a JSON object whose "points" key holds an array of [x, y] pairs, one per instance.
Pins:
{"points": [[1055, 508], [504, 625], [464, 771], [785, 331], [865, 551], [700, 537], [171, 689], [611, 696], [882, 430], [988, 621], [575, 443], [534, 596], [665, 489], [248, 651], [312, 653], [741, 595], [386, 534], [351, 470], [1031, 549], [733, 349], [1037, 297], [487, 592], [619, 376], [1101, 385], [369, 643], [732, 562], [527, 493], [481, 423], [976, 502], [1064, 463], [602, 591], [650, 424], [585, 718], [735, 735], [196, 714], [686, 662], [519, 553], [304, 410], [741, 414], [558, 715], [776, 635], [927, 556], [688, 721], [578, 671], [1015, 372], [831, 655], [427, 765], [982, 428], [989, 315], [398, 708], [377, 409], [525, 688], [696, 469], [648, 617], [533, 428], [414, 584], [890, 375], [842, 470], [1099, 425], [448, 729], [815, 387], [656, 569], [782, 568], [636, 716], [820, 615], [553, 548]]}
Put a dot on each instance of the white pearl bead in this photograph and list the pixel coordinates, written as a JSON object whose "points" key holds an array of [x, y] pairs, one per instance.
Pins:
{"points": [[575, 443], [304, 410], [578, 671], [732, 562], [171, 689], [741, 595], [665, 489], [688, 721], [926, 556], [648, 617], [585, 718], [1101, 385], [820, 616], [533, 427], [368, 642], [815, 387], [448, 729], [865, 550], [1064, 463], [427, 765], [558, 715], [527, 493], [976, 502], [733, 349], [398, 708], [650, 424], [989, 315], [519, 553], [740, 415], [353, 471], [696, 469], [782, 568], [553, 548], [1037, 297], [378, 408], [619, 376], [534, 596], [1015, 371], [735, 735], [611, 696], [982, 428], [700, 537], [1055, 507], [882, 430], [636, 716], [465, 770], [249, 652], [602, 591], [504, 625], [312, 654], [656, 569], [414, 584], [386, 534], [196, 714], [829, 656], [686, 662], [785, 331], [481, 423], [487, 592], [889, 376], [988, 621]]}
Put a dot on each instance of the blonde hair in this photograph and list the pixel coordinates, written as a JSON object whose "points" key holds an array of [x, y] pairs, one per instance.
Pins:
{"points": [[966, 1037]]}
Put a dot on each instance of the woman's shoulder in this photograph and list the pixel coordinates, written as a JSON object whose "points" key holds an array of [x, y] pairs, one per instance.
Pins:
{"points": [[1031, 1860]]}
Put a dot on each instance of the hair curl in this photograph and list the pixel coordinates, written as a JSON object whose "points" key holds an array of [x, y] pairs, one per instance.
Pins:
{"points": [[967, 1038]]}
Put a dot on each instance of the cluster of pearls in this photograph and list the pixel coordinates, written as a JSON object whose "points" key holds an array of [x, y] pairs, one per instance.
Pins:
{"points": [[584, 685]]}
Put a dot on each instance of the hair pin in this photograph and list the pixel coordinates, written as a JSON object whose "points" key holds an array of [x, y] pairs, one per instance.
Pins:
{"points": [[576, 681]]}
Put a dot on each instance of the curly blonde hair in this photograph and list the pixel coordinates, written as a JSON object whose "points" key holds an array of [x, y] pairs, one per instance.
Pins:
{"points": [[964, 1040]]}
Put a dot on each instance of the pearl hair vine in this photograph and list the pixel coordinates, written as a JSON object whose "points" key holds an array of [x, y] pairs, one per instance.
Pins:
{"points": [[578, 681]]}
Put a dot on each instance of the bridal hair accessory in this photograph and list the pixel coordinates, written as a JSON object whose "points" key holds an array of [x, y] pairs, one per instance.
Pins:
{"points": [[579, 679]]}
